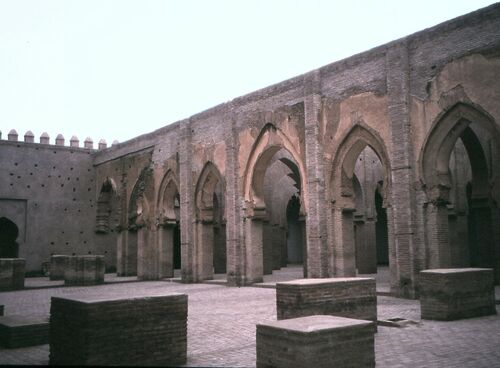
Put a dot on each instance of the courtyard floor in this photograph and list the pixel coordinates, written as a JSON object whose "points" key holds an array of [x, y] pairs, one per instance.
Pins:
{"points": [[221, 323]]}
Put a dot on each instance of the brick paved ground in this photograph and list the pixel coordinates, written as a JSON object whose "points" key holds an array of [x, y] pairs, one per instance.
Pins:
{"points": [[221, 327]]}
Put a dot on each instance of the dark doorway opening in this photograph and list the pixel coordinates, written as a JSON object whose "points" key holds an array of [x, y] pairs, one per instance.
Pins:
{"points": [[9, 232], [381, 234], [294, 239], [177, 246]]}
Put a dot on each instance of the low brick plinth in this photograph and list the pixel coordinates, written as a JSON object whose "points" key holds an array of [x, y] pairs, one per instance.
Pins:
{"points": [[58, 265], [19, 331], [456, 293], [351, 297], [137, 331], [84, 270], [316, 341], [12, 273]]}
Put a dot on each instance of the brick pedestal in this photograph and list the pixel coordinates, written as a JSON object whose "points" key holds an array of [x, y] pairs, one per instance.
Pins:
{"points": [[84, 270], [450, 294], [119, 331], [58, 265], [20, 331], [352, 297], [12, 273], [316, 341]]}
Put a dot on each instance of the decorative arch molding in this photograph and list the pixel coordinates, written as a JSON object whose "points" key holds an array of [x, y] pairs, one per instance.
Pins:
{"points": [[341, 179], [269, 141], [169, 190], [208, 180], [452, 124]]}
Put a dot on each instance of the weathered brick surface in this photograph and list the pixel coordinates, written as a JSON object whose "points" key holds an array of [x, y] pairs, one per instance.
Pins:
{"points": [[119, 331], [352, 297], [19, 331], [58, 265], [12, 273], [84, 270], [450, 294], [316, 341]]}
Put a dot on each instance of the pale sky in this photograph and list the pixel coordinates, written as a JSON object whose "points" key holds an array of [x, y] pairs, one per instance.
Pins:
{"points": [[116, 69]]}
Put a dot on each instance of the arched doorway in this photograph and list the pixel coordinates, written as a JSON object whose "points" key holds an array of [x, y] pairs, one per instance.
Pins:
{"points": [[169, 256], [370, 216], [360, 163], [460, 168], [273, 177], [9, 248], [210, 244]]}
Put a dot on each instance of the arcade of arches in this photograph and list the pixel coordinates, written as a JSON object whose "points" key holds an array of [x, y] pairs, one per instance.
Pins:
{"points": [[457, 208], [389, 158]]}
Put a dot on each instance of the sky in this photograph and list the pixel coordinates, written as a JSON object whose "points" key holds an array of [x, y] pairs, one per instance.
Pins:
{"points": [[116, 69]]}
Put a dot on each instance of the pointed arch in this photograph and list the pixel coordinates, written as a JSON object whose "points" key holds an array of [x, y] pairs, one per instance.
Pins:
{"points": [[169, 247], [353, 143], [452, 124], [210, 245], [343, 196], [206, 186], [267, 144], [477, 130], [166, 199]]}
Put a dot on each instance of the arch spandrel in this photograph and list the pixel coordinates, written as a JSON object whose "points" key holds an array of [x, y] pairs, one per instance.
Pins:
{"points": [[267, 144]]}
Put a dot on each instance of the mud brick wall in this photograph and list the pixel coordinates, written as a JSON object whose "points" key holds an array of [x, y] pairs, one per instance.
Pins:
{"points": [[12, 273], [316, 341], [58, 265], [122, 331], [84, 270], [450, 294], [352, 297]]}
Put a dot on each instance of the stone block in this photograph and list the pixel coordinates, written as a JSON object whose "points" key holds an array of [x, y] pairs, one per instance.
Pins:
{"points": [[12, 273], [316, 341], [84, 270], [58, 265], [19, 331], [351, 297], [456, 293], [137, 331]]}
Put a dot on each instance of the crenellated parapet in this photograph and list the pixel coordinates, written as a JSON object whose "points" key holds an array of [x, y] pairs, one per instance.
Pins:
{"points": [[44, 138]]}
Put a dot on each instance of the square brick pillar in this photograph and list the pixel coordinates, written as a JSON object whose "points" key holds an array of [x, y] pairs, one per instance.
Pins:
{"points": [[140, 331], [12, 273], [58, 265], [316, 341], [352, 297], [84, 270], [454, 293]]}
